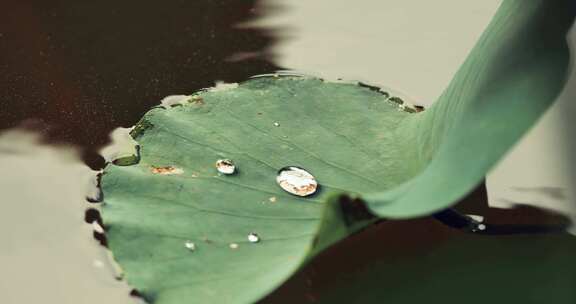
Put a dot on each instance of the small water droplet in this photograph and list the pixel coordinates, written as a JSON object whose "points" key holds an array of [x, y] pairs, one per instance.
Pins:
{"points": [[253, 238], [225, 166], [276, 124], [190, 245], [296, 181], [233, 246]]}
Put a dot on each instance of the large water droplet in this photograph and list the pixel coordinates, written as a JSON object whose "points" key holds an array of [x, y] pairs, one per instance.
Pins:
{"points": [[190, 245], [296, 181], [253, 238], [225, 166]]}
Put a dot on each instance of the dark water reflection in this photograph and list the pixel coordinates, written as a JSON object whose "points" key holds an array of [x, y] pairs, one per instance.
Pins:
{"points": [[78, 69]]}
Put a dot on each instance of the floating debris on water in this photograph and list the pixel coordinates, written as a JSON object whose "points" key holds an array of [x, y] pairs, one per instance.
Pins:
{"points": [[225, 166], [276, 124], [233, 246], [297, 181], [272, 199]]}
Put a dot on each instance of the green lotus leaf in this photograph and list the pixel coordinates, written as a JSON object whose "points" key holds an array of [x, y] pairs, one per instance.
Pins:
{"points": [[180, 229]]}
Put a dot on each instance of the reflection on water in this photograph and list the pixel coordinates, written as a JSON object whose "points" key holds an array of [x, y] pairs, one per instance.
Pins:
{"points": [[78, 70], [47, 253], [85, 67]]}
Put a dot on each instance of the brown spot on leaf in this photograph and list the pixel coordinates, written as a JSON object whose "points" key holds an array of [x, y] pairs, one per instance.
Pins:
{"points": [[168, 170]]}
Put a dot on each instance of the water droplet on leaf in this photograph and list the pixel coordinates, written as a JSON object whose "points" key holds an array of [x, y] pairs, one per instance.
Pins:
{"points": [[296, 181], [253, 238], [225, 166], [190, 245]]}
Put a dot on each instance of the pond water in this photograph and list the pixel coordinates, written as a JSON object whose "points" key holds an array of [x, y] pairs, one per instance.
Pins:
{"points": [[71, 72]]}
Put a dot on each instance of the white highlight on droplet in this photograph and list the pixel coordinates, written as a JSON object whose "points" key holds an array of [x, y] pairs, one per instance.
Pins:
{"points": [[190, 245], [253, 238]]}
